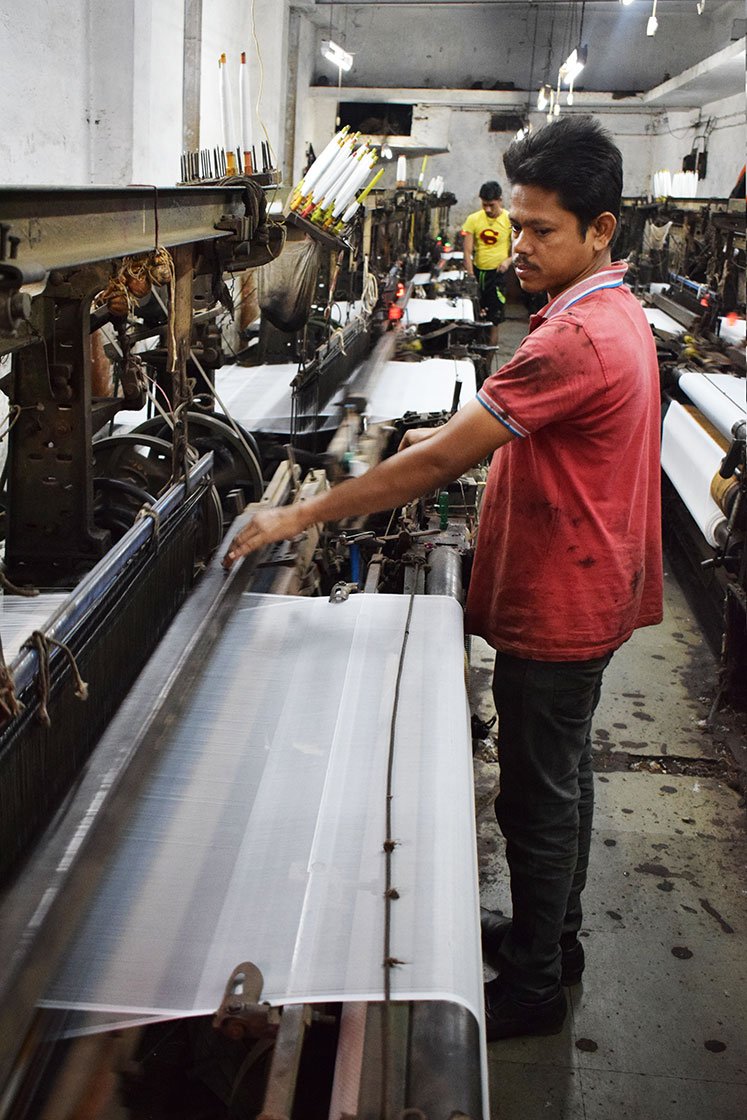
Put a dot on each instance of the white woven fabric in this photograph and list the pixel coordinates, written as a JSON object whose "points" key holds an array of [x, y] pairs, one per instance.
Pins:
{"points": [[259, 835]]}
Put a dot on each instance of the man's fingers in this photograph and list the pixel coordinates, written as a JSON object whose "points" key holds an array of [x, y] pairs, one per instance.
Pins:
{"points": [[265, 527], [244, 541]]}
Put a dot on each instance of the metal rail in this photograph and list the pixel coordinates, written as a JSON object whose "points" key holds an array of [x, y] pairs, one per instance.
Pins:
{"points": [[66, 227]]}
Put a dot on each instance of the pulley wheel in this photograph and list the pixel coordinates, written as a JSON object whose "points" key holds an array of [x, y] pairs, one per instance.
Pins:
{"points": [[237, 463]]}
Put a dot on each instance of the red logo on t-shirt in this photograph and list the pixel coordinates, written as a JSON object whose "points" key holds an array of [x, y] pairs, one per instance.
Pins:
{"points": [[488, 236]]}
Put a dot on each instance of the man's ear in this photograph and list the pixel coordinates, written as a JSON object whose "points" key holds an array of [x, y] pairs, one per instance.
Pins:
{"points": [[603, 227]]}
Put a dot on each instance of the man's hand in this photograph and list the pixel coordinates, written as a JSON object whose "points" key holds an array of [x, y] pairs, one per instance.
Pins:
{"points": [[505, 265], [266, 526], [416, 435]]}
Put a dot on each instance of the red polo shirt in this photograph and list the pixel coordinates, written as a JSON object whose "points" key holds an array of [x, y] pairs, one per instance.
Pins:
{"points": [[568, 561]]}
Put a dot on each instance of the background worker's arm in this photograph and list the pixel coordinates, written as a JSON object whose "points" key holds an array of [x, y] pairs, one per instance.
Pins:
{"points": [[469, 246], [421, 468]]}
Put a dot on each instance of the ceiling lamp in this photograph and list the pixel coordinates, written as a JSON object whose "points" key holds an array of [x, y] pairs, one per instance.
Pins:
{"points": [[571, 69], [626, 2], [573, 65], [653, 22], [335, 54]]}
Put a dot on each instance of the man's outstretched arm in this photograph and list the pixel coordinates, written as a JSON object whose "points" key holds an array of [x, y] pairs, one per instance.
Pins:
{"points": [[468, 437]]}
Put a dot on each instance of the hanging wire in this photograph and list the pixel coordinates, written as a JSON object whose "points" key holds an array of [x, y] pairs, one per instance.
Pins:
{"points": [[530, 83], [548, 60]]}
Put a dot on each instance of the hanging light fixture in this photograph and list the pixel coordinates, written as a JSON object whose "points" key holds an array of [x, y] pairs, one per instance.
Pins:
{"points": [[626, 2], [573, 65], [571, 69], [543, 97], [699, 7], [653, 22], [335, 54]]}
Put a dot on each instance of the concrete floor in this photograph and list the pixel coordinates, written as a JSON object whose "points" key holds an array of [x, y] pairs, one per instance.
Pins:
{"points": [[658, 1028]]}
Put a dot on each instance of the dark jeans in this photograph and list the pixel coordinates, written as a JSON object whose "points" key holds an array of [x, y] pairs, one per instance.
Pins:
{"points": [[544, 808]]}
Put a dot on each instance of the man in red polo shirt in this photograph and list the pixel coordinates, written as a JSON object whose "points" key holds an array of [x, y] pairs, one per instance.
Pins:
{"points": [[568, 559]]}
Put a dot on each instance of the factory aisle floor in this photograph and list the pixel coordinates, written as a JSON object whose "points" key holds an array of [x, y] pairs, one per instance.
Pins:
{"points": [[658, 1028]]}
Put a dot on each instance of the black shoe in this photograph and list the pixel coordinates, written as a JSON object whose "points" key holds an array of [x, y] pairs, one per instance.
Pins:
{"points": [[494, 927], [508, 1017]]}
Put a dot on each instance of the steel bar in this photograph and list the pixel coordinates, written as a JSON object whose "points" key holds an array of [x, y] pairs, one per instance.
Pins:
{"points": [[66, 227], [444, 576], [286, 1058]]}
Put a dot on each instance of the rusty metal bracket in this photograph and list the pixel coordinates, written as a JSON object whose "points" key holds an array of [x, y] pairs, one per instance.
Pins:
{"points": [[240, 1014]]}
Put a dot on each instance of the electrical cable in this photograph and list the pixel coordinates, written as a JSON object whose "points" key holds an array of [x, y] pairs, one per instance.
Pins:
{"points": [[231, 422]]}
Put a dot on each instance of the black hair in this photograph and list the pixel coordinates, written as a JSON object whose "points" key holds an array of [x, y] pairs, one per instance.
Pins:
{"points": [[490, 191], [576, 158]]}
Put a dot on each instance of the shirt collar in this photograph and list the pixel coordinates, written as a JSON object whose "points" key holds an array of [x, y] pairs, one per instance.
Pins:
{"points": [[611, 276]]}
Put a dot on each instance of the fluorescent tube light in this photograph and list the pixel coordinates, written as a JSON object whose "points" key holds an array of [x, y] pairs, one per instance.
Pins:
{"points": [[335, 54]]}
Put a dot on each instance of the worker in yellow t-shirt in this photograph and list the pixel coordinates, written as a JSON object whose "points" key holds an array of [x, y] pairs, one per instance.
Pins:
{"points": [[487, 254]]}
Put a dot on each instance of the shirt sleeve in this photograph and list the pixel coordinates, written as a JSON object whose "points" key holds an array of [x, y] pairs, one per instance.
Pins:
{"points": [[554, 375], [469, 224]]}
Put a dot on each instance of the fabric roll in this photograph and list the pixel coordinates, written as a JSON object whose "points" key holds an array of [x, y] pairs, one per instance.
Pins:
{"points": [[664, 322], [719, 396], [691, 457]]}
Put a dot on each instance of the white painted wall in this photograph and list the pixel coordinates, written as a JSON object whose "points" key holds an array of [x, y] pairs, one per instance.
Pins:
{"points": [[157, 92], [45, 134], [227, 26], [92, 89], [648, 140], [307, 121]]}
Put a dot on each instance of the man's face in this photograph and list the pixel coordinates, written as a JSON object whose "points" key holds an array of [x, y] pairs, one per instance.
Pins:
{"points": [[492, 206], [549, 252]]}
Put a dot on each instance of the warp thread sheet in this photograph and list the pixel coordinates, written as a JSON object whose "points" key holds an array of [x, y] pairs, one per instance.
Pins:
{"points": [[259, 833], [660, 319], [443, 310], [20, 616], [258, 397], [426, 386]]}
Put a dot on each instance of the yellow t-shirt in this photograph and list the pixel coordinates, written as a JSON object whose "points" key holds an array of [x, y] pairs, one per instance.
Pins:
{"points": [[492, 238]]}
